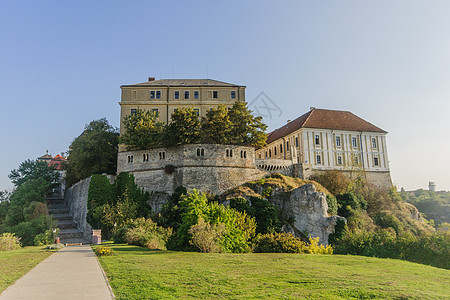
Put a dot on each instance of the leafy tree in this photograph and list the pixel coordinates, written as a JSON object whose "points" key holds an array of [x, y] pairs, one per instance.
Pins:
{"points": [[4, 196], [246, 129], [34, 169], [216, 126], [142, 130], [93, 152], [183, 129]]}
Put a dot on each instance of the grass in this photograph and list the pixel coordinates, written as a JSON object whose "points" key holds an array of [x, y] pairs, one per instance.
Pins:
{"points": [[16, 263], [138, 273]]}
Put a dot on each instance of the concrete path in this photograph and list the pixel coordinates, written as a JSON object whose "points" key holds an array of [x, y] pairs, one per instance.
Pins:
{"points": [[71, 273]]}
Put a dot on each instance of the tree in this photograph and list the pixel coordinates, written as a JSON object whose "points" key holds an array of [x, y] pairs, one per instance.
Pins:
{"points": [[183, 129], [216, 126], [93, 152], [34, 169], [246, 129], [142, 130]]}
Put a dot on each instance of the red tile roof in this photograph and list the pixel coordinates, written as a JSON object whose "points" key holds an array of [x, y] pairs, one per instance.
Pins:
{"points": [[57, 162], [324, 119]]}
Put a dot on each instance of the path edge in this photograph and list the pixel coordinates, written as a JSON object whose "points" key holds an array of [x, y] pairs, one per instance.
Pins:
{"points": [[104, 275]]}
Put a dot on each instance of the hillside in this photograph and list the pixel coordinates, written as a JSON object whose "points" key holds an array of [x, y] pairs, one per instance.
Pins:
{"points": [[137, 273], [435, 205]]}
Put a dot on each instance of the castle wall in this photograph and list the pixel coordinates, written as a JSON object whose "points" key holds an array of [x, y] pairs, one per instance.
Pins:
{"points": [[376, 178], [75, 198], [207, 167]]}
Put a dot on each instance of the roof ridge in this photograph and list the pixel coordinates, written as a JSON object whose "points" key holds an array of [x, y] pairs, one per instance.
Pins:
{"points": [[309, 115]]}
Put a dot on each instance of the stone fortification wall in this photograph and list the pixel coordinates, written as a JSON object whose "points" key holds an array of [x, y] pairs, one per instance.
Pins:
{"points": [[76, 198], [377, 178], [207, 167]]}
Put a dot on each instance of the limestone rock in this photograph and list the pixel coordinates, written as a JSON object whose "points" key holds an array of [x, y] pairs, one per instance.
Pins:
{"points": [[307, 209]]}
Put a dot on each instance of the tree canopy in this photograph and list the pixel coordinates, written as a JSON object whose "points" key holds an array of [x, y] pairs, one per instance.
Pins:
{"points": [[184, 128], [222, 125], [142, 130], [93, 152], [34, 169]]}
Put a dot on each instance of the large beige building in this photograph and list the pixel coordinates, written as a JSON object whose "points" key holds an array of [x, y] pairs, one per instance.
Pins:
{"points": [[331, 139], [165, 95]]}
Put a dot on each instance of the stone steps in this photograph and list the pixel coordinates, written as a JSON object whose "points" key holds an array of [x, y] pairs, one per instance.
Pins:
{"points": [[68, 230]]}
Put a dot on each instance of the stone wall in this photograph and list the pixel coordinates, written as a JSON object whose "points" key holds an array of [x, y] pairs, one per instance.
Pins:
{"points": [[376, 178], [206, 167], [75, 199]]}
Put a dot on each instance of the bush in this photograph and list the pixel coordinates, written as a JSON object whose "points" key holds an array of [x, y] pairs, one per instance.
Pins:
{"points": [[278, 243], [349, 202], [240, 228], [55, 247], [146, 233], [332, 205], [335, 181], [45, 238], [104, 251], [27, 231], [8, 241], [314, 248], [206, 237]]}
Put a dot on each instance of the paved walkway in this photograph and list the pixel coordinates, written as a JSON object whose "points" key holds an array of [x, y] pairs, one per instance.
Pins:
{"points": [[70, 273]]}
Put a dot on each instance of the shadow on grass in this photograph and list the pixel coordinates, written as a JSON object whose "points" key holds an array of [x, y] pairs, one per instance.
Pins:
{"points": [[137, 250]]}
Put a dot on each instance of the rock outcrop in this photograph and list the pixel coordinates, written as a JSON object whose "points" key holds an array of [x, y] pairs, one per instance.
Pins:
{"points": [[305, 210]]}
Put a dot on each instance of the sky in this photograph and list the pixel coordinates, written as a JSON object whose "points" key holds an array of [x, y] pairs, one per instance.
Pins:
{"points": [[62, 64]]}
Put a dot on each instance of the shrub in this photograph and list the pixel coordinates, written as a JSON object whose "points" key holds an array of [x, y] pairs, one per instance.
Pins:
{"points": [[146, 233], [240, 228], [335, 181], [278, 243], [8, 241], [332, 205], [314, 248], [55, 247], [104, 251], [45, 238], [206, 237], [349, 202]]}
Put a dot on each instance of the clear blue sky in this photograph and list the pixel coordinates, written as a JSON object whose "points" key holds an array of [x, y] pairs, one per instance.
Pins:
{"points": [[61, 65]]}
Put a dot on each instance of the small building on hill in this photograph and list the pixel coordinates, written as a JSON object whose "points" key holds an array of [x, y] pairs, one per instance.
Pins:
{"points": [[323, 139], [57, 162]]}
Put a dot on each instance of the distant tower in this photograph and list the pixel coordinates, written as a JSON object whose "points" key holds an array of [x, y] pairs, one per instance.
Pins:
{"points": [[432, 186]]}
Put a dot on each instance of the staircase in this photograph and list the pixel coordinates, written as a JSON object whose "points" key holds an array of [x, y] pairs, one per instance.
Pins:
{"points": [[68, 230]]}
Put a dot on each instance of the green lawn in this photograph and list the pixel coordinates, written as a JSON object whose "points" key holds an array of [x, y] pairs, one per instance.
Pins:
{"points": [[14, 264], [137, 273]]}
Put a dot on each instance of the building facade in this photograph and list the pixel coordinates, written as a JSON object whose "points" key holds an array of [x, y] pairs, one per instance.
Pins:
{"points": [[331, 140], [165, 95]]}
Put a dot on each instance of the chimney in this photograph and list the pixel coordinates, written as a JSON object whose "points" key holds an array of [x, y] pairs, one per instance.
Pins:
{"points": [[151, 79], [312, 108]]}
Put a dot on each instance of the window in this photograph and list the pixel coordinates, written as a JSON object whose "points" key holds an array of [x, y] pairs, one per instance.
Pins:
{"points": [[196, 95], [266, 155], [374, 143], [275, 150], [133, 111], [162, 155], [145, 157], [197, 111], [354, 142], [259, 156], [339, 159], [270, 153], [186, 95], [200, 152], [338, 141], [215, 94], [233, 94], [229, 153], [158, 94], [318, 159], [296, 142], [317, 139], [281, 148], [130, 159], [243, 154], [287, 146], [177, 94], [375, 161], [152, 94]]}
